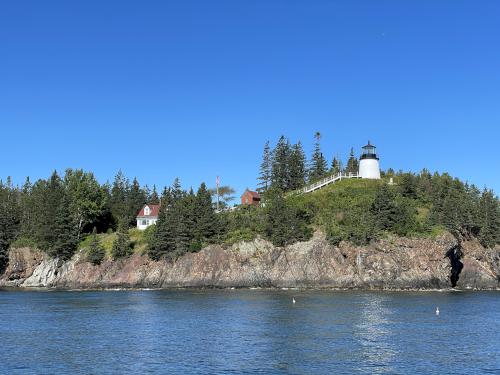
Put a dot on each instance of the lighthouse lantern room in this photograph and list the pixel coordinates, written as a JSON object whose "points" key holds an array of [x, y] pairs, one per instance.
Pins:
{"points": [[369, 166]]}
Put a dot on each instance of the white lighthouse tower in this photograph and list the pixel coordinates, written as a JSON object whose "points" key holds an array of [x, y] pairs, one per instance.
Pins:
{"points": [[369, 166]]}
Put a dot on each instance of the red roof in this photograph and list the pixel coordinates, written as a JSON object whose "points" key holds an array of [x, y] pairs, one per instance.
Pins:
{"points": [[154, 209]]}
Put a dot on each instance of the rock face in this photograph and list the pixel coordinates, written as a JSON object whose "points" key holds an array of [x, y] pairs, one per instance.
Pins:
{"points": [[387, 264]]}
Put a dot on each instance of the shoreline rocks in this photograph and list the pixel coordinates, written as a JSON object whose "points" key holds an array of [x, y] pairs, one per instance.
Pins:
{"points": [[389, 264]]}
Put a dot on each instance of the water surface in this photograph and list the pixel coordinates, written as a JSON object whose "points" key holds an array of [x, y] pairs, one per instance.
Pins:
{"points": [[249, 331]]}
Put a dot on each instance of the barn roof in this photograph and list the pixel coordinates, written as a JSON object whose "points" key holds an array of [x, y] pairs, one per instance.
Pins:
{"points": [[155, 209]]}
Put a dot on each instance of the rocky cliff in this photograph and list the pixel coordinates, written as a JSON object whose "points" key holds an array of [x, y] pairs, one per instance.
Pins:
{"points": [[388, 264]]}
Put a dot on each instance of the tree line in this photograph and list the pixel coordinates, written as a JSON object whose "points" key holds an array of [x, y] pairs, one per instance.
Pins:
{"points": [[54, 214], [57, 213], [285, 167]]}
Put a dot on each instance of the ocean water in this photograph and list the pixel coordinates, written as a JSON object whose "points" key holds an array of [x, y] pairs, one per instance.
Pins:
{"points": [[248, 332]]}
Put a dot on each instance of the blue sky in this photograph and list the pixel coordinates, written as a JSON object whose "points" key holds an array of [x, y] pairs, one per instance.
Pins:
{"points": [[193, 89]]}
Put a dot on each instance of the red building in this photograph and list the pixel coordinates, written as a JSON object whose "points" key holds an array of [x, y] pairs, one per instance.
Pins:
{"points": [[251, 198]]}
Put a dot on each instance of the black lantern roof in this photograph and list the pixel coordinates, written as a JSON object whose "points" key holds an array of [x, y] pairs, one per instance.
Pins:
{"points": [[369, 152], [369, 145]]}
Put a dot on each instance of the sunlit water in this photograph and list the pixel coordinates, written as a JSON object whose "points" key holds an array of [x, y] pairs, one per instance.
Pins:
{"points": [[249, 331]]}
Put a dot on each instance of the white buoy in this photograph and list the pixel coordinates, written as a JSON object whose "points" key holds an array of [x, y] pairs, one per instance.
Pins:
{"points": [[437, 311], [293, 300]]}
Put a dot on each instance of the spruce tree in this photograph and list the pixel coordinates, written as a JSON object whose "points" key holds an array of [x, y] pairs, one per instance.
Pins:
{"points": [[352, 163], [319, 166], [184, 225], [119, 198], [154, 198], [9, 221], [280, 174], [205, 217], [49, 195], [96, 252], [121, 245], [489, 235], [284, 223], [384, 209], [64, 232], [163, 240], [265, 169], [336, 166], [297, 167]]}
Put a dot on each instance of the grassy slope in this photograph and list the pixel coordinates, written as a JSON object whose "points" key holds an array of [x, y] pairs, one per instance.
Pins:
{"points": [[137, 239]]}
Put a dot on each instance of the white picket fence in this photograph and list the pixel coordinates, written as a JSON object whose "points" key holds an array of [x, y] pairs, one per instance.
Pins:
{"points": [[327, 181]]}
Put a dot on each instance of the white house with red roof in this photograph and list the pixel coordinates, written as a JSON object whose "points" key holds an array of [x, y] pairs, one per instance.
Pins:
{"points": [[147, 216]]}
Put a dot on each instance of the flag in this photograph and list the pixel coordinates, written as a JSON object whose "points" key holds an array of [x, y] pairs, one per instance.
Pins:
{"points": [[217, 181]]}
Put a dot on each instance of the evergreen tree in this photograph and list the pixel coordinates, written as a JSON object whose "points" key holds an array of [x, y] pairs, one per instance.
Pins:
{"points": [[96, 252], [65, 235], [154, 198], [490, 226], [205, 217], [9, 220], [284, 223], [136, 198], [121, 246], [266, 169], [408, 185], [27, 208], [318, 167], [49, 196], [119, 199], [384, 209], [163, 240], [176, 191], [280, 174], [297, 167], [352, 163], [336, 166]]}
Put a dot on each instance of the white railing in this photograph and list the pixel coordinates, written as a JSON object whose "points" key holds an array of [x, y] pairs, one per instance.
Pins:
{"points": [[327, 181]]}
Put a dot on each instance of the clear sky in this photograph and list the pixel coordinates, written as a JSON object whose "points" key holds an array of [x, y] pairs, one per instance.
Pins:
{"points": [[193, 89]]}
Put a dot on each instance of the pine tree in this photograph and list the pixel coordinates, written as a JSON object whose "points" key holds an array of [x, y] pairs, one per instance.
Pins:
{"points": [[48, 196], [319, 166], [265, 169], [206, 219], [185, 227], [489, 235], [9, 220], [64, 232], [280, 174], [136, 198], [176, 190], [384, 209], [121, 246], [297, 167], [163, 240], [408, 186], [119, 199], [352, 163], [284, 223], [154, 198], [96, 252], [27, 210], [336, 166]]}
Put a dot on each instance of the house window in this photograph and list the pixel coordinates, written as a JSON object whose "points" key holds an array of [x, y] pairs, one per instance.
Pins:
{"points": [[146, 211], [145, 222]]}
